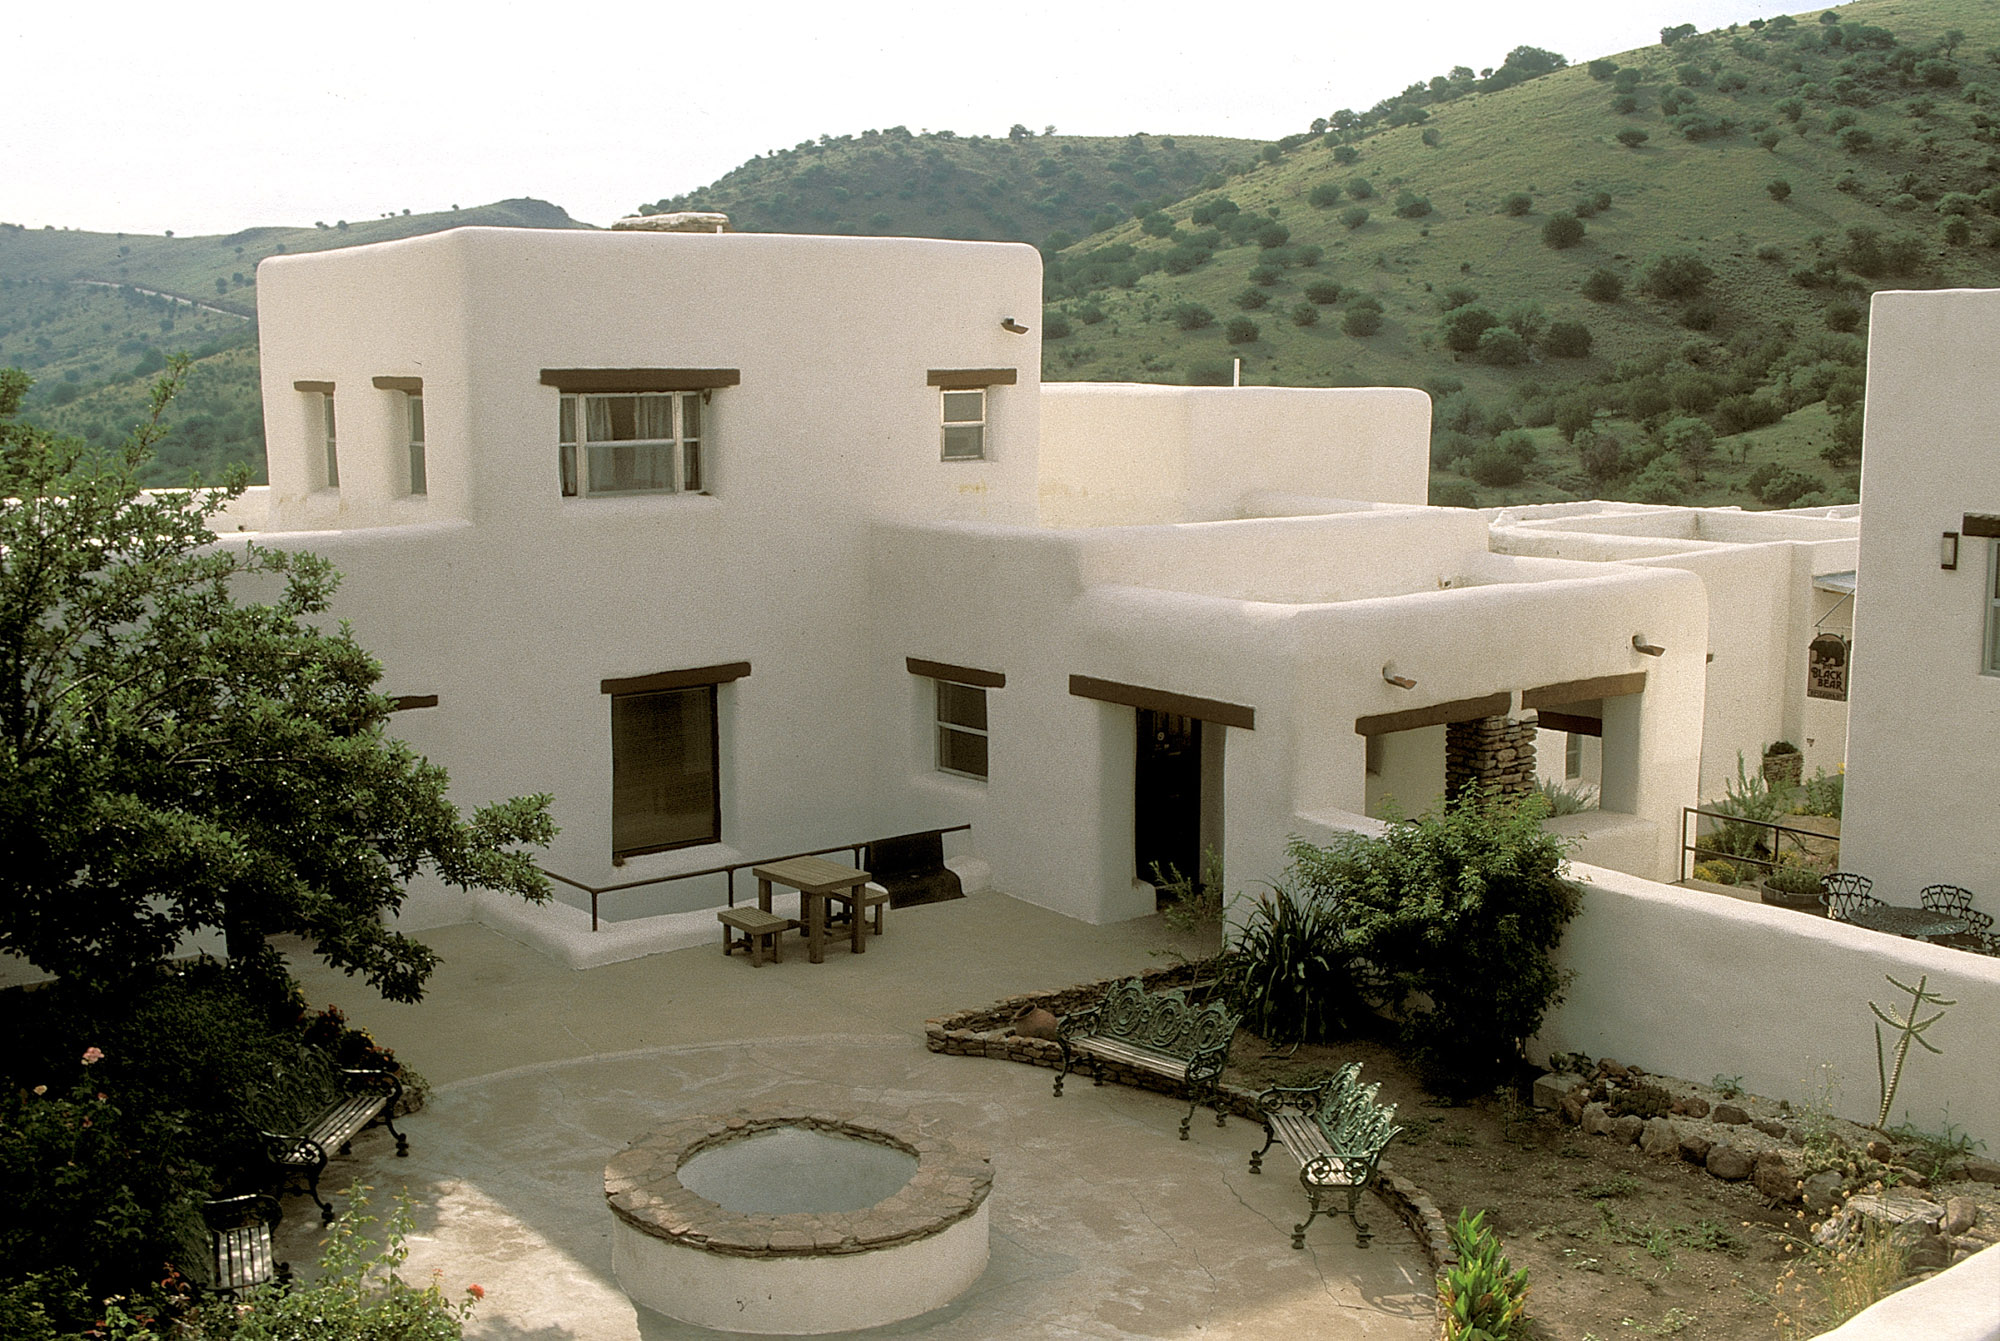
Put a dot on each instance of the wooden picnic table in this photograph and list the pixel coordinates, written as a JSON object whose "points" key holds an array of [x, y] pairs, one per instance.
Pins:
{"points": [[818, 881]]}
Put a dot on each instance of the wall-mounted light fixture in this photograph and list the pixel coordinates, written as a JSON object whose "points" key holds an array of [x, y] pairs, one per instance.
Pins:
{"points": [[1639, 644], [1948, 551], [1012, 326], [1400, 681]]}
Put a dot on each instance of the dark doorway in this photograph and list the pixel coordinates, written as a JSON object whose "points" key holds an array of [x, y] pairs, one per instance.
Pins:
{"points": [[1166, 800]]}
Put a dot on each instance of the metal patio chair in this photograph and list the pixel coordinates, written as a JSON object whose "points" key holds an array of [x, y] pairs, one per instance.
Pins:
{"points": [[1844, 893], [1954, 901]]}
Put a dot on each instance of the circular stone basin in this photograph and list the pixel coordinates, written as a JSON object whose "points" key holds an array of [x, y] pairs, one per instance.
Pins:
{"points": [[797, 1223]]}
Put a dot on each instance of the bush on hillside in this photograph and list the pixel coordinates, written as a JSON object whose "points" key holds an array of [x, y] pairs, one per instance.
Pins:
{"points": [[1191, 316], [1779, 188], [1603, 285], [1305, 314], [1567, 340], [1251, 299], [1323, 292], [1410, 205], [1463, 326], [1240, 331], [1632, 137], [1562, 231], [1660, 483], [1324, 196], [1502, 347], [1516, 203], [1678, 274]]}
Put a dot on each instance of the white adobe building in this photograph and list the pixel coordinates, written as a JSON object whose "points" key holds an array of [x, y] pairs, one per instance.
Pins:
{"points": [[745, 544], [1924, 741]]}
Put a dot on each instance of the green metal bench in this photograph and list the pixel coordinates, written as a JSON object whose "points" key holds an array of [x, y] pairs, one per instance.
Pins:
{"points": [[228, 1246], [1161, 1033], [1336, 1131], [311, 1109]]}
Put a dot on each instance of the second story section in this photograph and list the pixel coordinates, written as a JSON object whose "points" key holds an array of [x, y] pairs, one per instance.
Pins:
{"points": [[543, 378]]}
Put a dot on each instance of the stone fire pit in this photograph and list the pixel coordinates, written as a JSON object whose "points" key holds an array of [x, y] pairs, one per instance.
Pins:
{"points": [[794, 1223]]}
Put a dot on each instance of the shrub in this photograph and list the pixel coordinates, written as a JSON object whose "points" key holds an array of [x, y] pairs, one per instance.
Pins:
{"points": [[1266, 274], [1156, 224], [1502, 347], [1361, 188], [1740, 414], [1632, 137], [1240, 331], [1562, 231], [1567, 340], [1957, 232], [1324, 196], [1090, 314], [1599, 453], [1055, 326], [1191, 316], [1252, 298], [1451, 922], [1210, 372], [1779, 188], [1346, 155], [1659, 483], [1184, 257], [1273, 234], [1481, 1297], [1410, 205], [1287, 971], [1305, 314], [1679, 274], [1602, 69], [1362, 321], [1493, 466], [1699, 315], [1855, 140], [1843, 316], [1516, 203], [1323, 292], [1456, 296], [1624, 105], [1463, 326], [1453, 494], [1353, 217], [1603, 285]]}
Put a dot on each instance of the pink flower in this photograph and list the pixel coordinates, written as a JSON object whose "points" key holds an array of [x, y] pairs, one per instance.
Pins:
{"points": [[92, 1055], [475, 1291]]}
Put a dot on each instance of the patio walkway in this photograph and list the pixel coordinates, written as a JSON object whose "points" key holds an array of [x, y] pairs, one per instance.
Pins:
{"points": [[1104, 1225]]}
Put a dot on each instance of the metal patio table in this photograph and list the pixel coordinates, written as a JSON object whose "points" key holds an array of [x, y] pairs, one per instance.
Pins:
{"points": [[1901, 920]]}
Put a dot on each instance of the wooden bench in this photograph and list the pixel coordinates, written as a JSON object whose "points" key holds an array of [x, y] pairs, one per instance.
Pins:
{"points": [[1336, 1131], [1160, 1033], [841, 907], [310, 1109], [759, 928], [228, 1246]]}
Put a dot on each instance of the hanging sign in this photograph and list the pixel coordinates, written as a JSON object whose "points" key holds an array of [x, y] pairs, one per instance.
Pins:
{"points": [[1826, 667]]}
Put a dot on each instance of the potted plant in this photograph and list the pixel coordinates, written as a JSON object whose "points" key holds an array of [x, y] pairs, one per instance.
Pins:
{"points": [[1791, 887], [1784, 766]]}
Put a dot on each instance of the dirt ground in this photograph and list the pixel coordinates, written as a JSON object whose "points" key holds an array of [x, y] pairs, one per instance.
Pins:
{"points": [[1616, 1244]]}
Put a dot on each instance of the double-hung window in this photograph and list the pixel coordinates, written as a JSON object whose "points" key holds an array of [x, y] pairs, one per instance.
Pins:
{"points": [[959, 714], [1990, 664], [965, 404], [624, 431]]}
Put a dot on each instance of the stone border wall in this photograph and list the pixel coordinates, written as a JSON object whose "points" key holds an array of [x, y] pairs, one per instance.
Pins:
{"points": [[989, 1032]]}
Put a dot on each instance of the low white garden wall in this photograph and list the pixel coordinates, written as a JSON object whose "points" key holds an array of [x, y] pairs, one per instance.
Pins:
{"points": [[1962, 1304], [1696, 985]]}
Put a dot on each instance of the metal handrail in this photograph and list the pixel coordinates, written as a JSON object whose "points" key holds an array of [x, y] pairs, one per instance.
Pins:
{"points": [[1690, 848], [729, 870]]}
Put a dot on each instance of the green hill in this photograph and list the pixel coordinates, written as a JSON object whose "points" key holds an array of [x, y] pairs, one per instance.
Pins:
{"points": [[93, 316], [1730, 199], [1017, 188]]}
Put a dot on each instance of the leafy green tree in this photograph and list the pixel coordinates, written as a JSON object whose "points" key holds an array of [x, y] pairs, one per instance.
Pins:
{"points": [[1563, 231], [1659, 483], [175, 759], [1464, 325], [1692, 440]]}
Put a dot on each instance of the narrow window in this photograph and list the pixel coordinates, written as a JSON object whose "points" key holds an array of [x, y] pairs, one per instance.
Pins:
{"points": [[566, 452], [664, 792], [1572, 755], [965, 425], [419, 481], [332, 452], [1992, 662], [961, 729]]}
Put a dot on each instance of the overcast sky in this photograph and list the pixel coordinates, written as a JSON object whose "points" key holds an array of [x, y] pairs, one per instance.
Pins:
{"points": [[210, 117]]}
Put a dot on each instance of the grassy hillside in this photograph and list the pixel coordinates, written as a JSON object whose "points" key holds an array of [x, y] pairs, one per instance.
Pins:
{"points": [[1785, 171], [1021, 188], [93, 316]]}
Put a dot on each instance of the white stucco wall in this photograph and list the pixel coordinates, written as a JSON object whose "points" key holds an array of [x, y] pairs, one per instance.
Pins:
{"points": [[1666, 978], [1124, 454], [1923, 744]]}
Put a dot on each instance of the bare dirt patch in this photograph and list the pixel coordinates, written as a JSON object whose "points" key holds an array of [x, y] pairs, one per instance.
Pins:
{"points": [[1616, 1243]]}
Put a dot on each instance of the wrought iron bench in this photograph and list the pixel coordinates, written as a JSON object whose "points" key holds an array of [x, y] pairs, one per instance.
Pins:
{"points": [[1160, 1033], [228, 1245], [1336, 1131], [310, 1109]]}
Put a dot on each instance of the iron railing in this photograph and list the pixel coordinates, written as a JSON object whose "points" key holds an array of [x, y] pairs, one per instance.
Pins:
{"points": [[1692, 845], [595, 891]]}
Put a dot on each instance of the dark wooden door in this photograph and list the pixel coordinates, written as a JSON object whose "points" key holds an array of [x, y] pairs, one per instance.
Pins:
{"points": [[1166, 802]]}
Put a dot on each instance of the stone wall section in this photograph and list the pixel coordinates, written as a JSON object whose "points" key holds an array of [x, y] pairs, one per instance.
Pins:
{"points": [[1494, 753]]}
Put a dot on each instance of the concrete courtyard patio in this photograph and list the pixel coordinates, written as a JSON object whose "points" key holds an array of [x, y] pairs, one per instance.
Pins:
{"points": [[1103, 1225]]}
